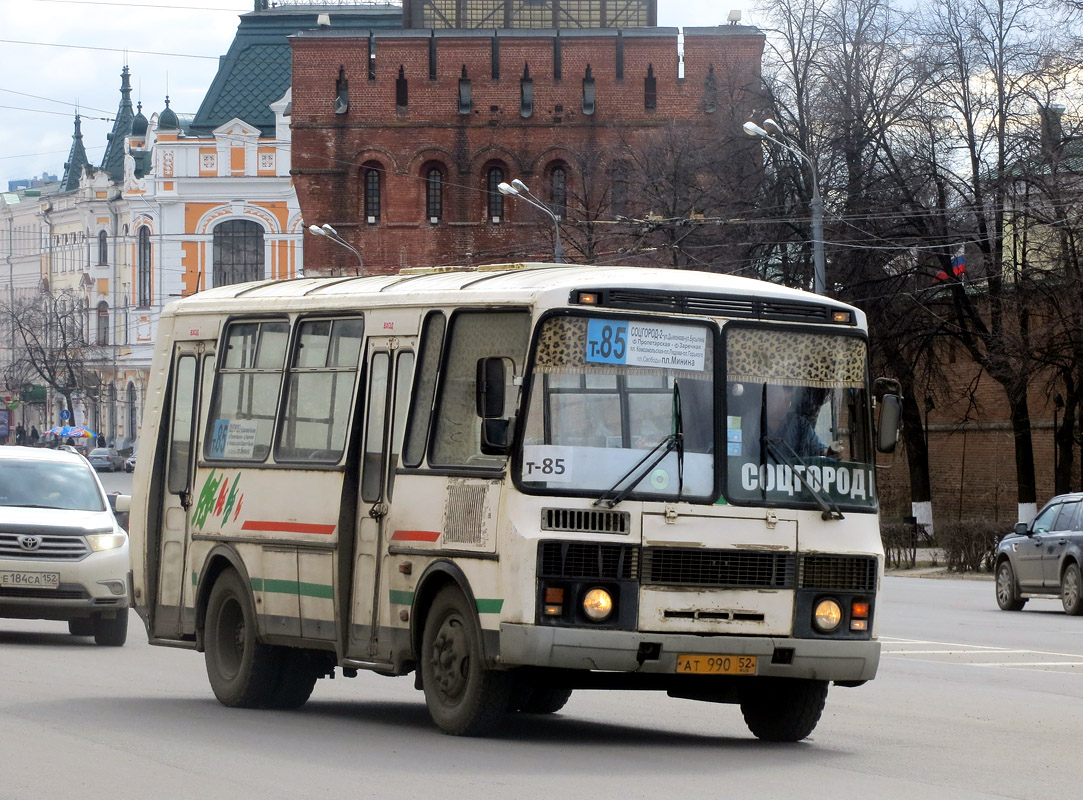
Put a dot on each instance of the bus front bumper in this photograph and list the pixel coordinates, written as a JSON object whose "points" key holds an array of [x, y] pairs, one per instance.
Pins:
{"points": [[656, 653]]}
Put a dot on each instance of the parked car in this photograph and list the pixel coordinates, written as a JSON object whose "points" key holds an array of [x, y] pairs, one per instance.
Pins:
{"points": [[106, 458], [129, 464], [1044, 557], [63, 556]]}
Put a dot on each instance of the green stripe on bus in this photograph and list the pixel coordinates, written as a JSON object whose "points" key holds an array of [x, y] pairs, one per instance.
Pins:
{"points": [[275, 586], [398, 597]]}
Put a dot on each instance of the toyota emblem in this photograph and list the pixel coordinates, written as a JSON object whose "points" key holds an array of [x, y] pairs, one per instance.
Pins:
{"points": [[30, 543]]}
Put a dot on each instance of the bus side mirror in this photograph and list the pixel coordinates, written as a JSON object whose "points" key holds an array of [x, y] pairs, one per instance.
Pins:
{"points": [[490, 387], [887, 426], [496, 436]]}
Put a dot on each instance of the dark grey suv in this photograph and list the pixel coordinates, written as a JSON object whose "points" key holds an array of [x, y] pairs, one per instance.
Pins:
{"points": [[1044, 558]]}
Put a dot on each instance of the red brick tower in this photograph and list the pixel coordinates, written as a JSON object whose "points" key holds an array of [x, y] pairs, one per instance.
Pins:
{"points": [[400, 137]]}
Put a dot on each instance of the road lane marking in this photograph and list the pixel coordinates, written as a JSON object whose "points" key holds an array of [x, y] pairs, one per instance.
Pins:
{"points": [[976, 655]]}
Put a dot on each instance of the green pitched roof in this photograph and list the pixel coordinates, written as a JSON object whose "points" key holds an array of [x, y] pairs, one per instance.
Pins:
{"points": [[257, 69], [113, 161], [77, 160]]}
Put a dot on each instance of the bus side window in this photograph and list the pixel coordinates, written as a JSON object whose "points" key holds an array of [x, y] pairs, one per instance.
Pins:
{"points": [[246, 391], [319, 390], [473, 335], [417, 431]]}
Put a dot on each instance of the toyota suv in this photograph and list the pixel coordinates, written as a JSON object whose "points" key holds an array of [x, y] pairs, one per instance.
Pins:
{"points": [[62, 554]]}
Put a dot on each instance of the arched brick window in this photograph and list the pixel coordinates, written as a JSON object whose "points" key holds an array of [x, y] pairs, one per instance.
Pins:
{"points": [[373, 177], [434, 193], [619, 177], [493, 178], [558, 189]]}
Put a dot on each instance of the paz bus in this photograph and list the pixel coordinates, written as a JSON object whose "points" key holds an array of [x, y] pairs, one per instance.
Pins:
{"points": [[515, 481]]}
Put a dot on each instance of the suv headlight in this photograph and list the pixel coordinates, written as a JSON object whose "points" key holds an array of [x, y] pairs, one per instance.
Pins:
{"points": [[105, 541]]}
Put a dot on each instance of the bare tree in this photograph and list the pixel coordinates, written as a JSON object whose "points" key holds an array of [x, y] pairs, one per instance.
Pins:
{"points": [[52, 348]]}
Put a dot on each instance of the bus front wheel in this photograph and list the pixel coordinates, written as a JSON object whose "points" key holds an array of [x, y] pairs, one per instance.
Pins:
{"points": [[463, 697], [242, 670], [783, 709]]}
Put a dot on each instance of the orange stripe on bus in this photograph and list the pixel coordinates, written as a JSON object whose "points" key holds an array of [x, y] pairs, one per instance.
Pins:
{"points": [[286, 527], [416, 536]]}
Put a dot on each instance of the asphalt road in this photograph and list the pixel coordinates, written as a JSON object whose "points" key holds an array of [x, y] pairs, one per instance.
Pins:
{"points": [[971, 702]]}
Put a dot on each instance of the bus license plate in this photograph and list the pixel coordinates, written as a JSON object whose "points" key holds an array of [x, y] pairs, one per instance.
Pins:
{"points": [[702, 664], [29, 580]]}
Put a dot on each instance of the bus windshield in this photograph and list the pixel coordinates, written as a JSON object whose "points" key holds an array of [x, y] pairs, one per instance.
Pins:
{"points": [[797, 429], [605, 392]]}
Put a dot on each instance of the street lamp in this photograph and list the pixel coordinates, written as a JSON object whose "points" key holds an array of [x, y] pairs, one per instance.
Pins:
{"points": [[815, 204], [519, 189], [327, 232]]}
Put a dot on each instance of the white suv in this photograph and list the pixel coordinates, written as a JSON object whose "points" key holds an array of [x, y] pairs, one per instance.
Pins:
{"points": [[62, 554]]}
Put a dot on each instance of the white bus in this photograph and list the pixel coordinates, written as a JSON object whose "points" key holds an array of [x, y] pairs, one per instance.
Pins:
{"points": [[515, 481]]}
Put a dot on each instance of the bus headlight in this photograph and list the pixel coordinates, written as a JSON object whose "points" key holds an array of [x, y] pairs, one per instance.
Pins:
{"points": [[598, 605], [827, 616]]}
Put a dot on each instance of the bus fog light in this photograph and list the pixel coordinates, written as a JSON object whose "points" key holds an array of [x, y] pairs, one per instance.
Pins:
{"points": [[827, 616], [598, 604], [859, 624]]}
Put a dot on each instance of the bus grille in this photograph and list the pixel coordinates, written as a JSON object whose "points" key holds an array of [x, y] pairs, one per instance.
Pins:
{"points": [[842, 573], [715, 304], [589, 560], [466, 515], [686, 566], [582, 520], [52, 547]]}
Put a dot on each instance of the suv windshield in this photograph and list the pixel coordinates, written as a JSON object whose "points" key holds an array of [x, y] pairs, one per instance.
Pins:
{"points": [[796, 421], [48, 484], [602, 397]]}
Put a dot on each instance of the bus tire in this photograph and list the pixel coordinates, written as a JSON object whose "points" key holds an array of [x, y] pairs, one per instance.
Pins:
{"points": [[111, 632], [242, 670], [783, 709], [464, 698], [545, 700], [296, 680]]}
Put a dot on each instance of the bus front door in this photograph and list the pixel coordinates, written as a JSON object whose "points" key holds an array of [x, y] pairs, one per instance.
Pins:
{"points": [[191, 364], [389, 376]]}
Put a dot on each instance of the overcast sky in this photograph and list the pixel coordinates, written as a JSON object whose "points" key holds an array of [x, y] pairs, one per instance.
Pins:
{"points": [[60, 55]]}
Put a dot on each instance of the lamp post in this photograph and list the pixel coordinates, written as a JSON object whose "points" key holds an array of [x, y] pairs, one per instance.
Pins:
{"points": [[519, 189], [327, 232], [816, 205]]}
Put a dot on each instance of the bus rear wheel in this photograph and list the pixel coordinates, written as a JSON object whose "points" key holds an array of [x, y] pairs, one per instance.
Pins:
{"points": [[296, 679], [463, 697], [783, 709], [242, 670]]}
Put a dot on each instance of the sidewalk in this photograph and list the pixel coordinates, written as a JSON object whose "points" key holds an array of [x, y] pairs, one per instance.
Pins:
{"points": [[931, 563]]}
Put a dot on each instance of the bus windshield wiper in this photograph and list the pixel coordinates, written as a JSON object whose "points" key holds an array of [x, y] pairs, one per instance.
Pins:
{"points": [[672, 442], [828, 508]]}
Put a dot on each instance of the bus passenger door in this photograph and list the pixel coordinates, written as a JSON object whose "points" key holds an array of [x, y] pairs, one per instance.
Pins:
{"points": [[389, 376], [190, 364]]}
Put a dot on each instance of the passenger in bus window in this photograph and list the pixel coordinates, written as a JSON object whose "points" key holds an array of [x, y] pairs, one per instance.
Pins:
{"points": [[789, 413]]}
